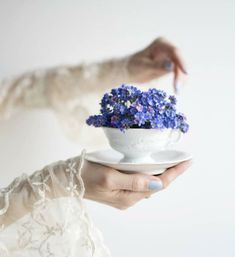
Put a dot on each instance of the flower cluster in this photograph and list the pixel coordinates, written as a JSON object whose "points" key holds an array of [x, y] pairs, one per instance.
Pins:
{"points": [[128, 107]]}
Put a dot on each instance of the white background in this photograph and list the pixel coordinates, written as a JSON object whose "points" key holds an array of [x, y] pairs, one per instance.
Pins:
{"points": [[195, 216]]}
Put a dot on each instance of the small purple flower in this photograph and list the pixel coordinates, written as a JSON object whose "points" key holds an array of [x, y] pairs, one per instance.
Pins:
{"points": [[133, 110], [160, 93], [184, 127], [96, 120], [140, 118], [128, 107], [172, 99], [126, 123], [157, 122], [115, 120], [170, 113], [139, 107]]}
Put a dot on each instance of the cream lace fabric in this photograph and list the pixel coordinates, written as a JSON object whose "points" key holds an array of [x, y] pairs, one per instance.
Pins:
{"points": [[71, 92], [43, 214]]}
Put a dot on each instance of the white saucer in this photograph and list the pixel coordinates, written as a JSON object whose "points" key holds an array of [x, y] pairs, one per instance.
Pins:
{"points": [[161, 161]]}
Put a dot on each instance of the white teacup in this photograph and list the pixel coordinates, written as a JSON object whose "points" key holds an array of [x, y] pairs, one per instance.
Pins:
{"points": [[137, 144]]}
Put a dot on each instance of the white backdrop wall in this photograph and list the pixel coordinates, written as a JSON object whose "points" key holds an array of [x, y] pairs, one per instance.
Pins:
{"points": [[195, 217]]}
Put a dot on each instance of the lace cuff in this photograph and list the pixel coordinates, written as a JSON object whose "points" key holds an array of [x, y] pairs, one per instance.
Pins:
{"points": [[44, 215], [56, 180]]}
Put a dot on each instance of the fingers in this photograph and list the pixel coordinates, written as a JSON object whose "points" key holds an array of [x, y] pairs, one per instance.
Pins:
{"points": [[137, 186], [146, 183], [125, 190], [127, 199], [173, 52], [171, 174], [178, 59], [136, 182], [179, 67], [176, 78], [170, 57]]}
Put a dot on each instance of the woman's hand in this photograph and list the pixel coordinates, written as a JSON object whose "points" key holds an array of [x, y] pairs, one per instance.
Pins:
{"points": [[111, 187], [159, 58]]}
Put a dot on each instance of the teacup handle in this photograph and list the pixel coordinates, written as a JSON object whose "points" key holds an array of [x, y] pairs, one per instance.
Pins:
{"points": [[175, 136]]}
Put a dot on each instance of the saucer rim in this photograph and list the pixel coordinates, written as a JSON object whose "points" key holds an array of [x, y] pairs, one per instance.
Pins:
{"points": [[187, 158]]}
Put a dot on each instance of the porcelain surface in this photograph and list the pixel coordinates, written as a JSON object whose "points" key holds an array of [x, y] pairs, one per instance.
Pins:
{"points": [[160, 161], [137, 145]]}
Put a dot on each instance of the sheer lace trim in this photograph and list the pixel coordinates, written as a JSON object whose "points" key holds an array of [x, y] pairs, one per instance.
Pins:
{"points": [[40, 187], [5, 192], [57, 225], [45, 232]]}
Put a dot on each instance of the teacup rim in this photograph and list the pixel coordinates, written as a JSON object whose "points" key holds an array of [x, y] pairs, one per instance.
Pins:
{"points": [[140, 129]]}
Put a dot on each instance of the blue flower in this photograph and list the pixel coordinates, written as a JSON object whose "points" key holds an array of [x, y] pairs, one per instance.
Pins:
{"points": [[128, 107], [184, 127], [157, 122], [96, 120], [132, 110], [169, 113], [119, 108], [172, 99], [140, 118]]}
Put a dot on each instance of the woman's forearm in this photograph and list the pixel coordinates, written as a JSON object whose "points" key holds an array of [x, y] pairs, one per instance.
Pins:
{"points": [[61, 86]]}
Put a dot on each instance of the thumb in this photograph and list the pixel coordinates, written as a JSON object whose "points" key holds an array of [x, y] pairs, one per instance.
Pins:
{"points": [[137, 182]]}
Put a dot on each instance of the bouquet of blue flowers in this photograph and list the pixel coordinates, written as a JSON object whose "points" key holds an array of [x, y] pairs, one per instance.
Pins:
{"points": [[128, 107]]}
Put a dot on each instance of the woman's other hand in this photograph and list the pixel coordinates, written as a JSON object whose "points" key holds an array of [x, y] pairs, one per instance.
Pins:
{"points": [[159, 58]]}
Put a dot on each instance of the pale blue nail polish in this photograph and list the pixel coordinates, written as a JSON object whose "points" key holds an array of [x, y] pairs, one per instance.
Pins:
{"points": [[155, 185], [168, 65]]}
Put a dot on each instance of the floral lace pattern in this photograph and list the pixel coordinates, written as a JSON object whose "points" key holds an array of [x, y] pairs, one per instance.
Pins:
{"points": [[57, 225]]}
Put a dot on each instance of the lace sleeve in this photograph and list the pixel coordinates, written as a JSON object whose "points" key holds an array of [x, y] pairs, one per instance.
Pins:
{"points": [[44, 215], [68, 91]]}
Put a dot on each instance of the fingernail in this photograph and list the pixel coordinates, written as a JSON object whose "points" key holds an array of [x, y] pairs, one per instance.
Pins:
{"points": [[155, 185], [177, 88], [168, 65]]}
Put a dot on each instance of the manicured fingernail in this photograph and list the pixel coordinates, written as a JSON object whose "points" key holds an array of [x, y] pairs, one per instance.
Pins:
{"points": [[177, 88], [168, 65], [155, 185]]}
